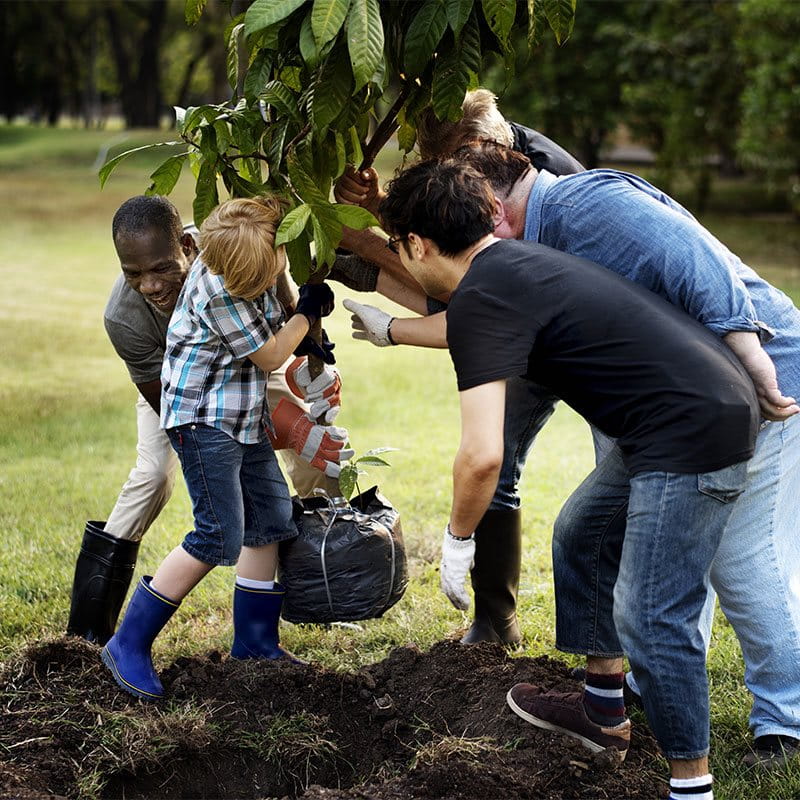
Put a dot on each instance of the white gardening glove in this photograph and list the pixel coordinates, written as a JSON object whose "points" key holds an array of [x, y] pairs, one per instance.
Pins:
{"points": [[323, 394], [370, 323], [458, 556]]}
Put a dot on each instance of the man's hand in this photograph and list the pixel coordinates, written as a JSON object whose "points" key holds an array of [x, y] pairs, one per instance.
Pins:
{"points": [[320, 445], [323, 394], [748, 349], [359, 189], [355, 273], [458, 556], [370, 323]]}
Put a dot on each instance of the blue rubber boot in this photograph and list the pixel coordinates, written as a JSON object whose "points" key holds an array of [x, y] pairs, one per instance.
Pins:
{"points": [[255, 624], [127, 653]]}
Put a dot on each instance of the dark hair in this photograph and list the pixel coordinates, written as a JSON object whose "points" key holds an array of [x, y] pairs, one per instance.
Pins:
{"points": [[443, 200], [500, 165], [147, 212]]}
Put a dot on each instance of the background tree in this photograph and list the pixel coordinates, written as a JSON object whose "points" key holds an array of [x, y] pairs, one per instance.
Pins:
{"points": [[770, 131], [681, 83], [571, 91]]}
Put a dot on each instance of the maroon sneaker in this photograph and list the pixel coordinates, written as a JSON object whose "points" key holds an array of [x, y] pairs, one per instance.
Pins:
{"points": [[564, 713]]}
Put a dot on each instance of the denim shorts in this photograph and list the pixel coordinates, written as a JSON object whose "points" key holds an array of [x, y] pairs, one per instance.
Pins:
{"points": [[239, 496]]}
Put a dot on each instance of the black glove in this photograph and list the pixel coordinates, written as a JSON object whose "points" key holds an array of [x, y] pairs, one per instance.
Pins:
{"points": [[316, 300], [311, 347], [354, 272]]}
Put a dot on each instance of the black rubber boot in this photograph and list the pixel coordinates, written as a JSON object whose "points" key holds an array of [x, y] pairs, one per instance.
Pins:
{"points": [[103, 574], [495, 578]]}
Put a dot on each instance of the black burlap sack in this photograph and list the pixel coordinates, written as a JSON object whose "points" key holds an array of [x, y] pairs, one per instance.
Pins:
{"points": [[347, 563]]}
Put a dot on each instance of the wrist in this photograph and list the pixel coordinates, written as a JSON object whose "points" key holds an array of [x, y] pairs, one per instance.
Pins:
{"points": [[457, 537], [389, 331]]}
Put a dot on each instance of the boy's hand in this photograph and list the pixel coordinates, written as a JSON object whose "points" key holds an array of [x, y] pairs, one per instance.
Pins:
{"points": [[323, 394], [322, 446], [311, 347], [316, 301]]}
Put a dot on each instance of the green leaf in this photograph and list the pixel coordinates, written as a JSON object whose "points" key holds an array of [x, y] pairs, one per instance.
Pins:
{"points": [[111, 165], [332, 90], [423, 35], [500, 16], [283, 98], [364, 40], [458, 13], [561, 17], [232, 61], [375, 451], [166, 175], [298, 252], [347, 480], [223, 134], [327, 18], [193, 10], [354, 217], [259, 72], [453, 71], [327, 234], [308, 45], [206, 198], [293, 224], [373, 461], [355, 155], [341, 153], [406, 136], [264, 13]]}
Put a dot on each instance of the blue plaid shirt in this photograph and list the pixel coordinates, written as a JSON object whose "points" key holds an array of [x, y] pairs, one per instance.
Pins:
{"points": [[207, 376], [625, 224]]}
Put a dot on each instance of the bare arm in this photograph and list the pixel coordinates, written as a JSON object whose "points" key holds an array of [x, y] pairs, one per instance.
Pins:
{"points": [[748, 349], [151, 391], [476, 468], [414, 299], [421, 331], [276, 350]]}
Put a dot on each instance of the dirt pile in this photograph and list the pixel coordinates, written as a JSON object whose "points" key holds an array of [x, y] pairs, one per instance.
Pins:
{"points": [[415, 725]]}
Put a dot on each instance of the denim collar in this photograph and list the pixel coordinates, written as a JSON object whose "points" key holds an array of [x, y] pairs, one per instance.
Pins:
{"points": [[533, 212]]}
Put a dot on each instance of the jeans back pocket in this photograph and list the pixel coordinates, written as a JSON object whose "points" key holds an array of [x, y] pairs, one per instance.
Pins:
{"points": [[724, 484]]}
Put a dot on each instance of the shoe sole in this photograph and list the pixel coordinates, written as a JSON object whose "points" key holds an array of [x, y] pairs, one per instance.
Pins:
{"points": [[548, 726], [108, 660]]}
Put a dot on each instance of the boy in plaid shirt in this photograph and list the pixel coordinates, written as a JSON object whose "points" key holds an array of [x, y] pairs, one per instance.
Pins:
{"points": [[226, 335]]}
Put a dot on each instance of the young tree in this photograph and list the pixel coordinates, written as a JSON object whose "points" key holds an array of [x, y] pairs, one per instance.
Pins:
{"points": [[308, 79]]}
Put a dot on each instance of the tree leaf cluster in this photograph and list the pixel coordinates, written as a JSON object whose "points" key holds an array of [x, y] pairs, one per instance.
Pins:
{"points": [[317, 85]]}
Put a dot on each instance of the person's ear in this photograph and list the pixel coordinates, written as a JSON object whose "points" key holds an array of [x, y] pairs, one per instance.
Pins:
{"points": [[499, 214], [417, 246], [189, 246]]}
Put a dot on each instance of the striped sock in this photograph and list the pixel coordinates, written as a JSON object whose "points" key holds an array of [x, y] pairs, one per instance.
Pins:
{"points": [[691, 788], [602, 698]]}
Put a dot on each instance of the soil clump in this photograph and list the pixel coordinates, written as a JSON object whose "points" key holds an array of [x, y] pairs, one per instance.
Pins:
{"points": [[416, 725]]}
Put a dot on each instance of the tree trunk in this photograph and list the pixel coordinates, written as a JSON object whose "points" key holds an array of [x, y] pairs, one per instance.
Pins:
{"points": [[136, 55]]}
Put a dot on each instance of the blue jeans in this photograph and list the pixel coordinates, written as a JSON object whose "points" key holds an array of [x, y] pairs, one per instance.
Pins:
{"points": [[239, 496], [756, 573], [528, 407], [644, 592]]}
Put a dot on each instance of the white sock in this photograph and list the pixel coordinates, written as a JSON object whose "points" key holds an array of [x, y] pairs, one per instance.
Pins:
{"points": [[691, 788], [249, 583]]}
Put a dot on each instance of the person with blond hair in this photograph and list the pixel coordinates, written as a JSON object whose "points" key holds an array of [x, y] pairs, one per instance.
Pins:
{"points": [[226, 335]]}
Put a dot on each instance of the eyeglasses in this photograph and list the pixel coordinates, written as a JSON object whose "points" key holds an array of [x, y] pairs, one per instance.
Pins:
{"points": [[393, 242]]}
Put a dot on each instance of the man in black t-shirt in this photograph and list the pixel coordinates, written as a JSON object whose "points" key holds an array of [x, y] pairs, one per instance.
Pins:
{"points": [[495, 575], [681, 406]]}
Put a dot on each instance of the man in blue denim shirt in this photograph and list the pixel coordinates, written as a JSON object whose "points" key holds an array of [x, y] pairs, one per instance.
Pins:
{"points": [[623, 223]]}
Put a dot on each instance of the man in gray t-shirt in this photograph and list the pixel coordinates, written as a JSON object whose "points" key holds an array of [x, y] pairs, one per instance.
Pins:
{"points": [[155, 254]]}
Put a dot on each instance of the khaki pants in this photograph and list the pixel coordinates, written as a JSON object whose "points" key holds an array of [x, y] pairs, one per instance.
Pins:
{"points": [[150, 482]]}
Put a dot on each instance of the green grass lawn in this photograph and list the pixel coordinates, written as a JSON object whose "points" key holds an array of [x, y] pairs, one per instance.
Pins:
{"points": [[67, 436]]}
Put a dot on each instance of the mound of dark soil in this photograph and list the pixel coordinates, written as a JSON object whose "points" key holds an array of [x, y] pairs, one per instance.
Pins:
{"points": [[415, 725]]}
